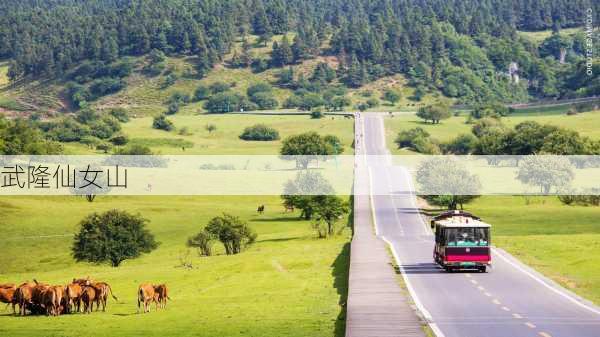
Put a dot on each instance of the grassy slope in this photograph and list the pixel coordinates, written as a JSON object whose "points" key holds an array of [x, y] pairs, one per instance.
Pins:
{"points": [[288, 283], [225, 140], [586, 123], [562, 242]]}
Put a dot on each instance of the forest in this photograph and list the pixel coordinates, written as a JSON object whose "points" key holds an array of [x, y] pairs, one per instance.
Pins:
{"points": [[463, 48]]}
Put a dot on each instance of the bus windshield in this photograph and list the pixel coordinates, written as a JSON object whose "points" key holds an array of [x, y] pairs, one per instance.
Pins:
{"points": [[466, 236]]}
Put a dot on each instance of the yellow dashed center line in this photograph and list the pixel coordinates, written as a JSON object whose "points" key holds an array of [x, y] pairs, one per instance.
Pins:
{"points": [[495, 301], [517, 316], [474, 281], [488, 294], [529, 324], [505, 309], [468, 275], [545, 334], [481, 288]]}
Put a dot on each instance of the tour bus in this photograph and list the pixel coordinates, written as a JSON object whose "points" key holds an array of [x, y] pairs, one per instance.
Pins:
{"points": [[462, 241]]}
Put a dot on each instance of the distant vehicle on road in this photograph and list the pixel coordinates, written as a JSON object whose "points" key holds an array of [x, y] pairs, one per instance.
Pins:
{"points": [[462, 241]]}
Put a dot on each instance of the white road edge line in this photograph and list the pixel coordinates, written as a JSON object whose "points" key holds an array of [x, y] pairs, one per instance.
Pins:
{"points": [[434, 327], [542, 282]]}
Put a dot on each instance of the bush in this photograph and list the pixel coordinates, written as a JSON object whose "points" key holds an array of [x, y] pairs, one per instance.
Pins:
{"points": [[234, 234], [113, 237], [169, 80], [391, 96], [260, 132], [120, 114], [162, 123], [258, 87], [179, 97], [202, 92], [119, 140], [373, 102], [203, 241], [218, 87], [134, 150], [264, 100], [406, 138], [173, 108], [105, 86], [316, 114], [223, 102]]}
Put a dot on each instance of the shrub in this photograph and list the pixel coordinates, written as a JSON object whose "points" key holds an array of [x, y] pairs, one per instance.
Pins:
{"points": [[264, 100], [218, 87], [407, 138], [260, 132], [391, 96], [119, 140], [173, 108], [234, 234], [120, 114], [202, 92], [373, 102], [162, 123], [223, 102], [316, 113], [258, 87], [203, 241]]}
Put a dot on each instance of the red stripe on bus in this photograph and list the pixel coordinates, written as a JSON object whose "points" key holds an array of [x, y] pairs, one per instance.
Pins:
{"points": [[467, 258]]}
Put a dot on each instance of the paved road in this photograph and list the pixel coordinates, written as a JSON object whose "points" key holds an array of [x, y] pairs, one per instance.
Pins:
{"points": [[510, 301]]}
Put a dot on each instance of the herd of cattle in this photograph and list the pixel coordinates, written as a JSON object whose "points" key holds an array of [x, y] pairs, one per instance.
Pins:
{"points": [[81, 294]]}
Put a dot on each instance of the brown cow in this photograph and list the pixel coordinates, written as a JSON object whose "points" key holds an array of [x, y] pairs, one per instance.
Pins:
{"points": [[73, 293], [23, 296], [38, 298], [7, 295], [88, 297], [161, 294], [50, 300], [146, 295], [83, 281], [102, 290]]}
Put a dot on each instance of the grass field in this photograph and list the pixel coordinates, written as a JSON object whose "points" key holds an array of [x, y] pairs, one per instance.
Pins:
{"points": [[585, 123], [225, 139], [288, 284], [563, 242]]}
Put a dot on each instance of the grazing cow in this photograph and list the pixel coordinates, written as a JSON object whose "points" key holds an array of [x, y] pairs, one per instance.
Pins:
{"points": [[146, 295], [38, 305], [50, 300], [261, 209], [23, 296], [88, 296], [7, 295], [161, 295], [73, 293], [102, 290], [83, 281]]}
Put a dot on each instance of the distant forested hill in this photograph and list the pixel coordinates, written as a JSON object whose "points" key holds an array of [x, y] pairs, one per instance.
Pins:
{"points": [[460, 47]]}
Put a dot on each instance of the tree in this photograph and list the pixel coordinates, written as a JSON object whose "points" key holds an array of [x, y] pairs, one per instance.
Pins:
{"points": [[234, 234], [305, 192], [461, 145], [260, 132], [328, 211], [113, 236], [445, 180], [305, 147], [408, 138], [281, 54], [203, 241], [391, 96], [162, 123], [564, 142], [546, 172], [434, 113], [202, 92], [223, 102]]}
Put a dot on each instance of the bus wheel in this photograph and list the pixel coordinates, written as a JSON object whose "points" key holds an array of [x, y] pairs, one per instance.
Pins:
{"points": [[482, 269]]}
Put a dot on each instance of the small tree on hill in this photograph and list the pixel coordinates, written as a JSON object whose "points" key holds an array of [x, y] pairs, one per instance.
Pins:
{"points": [[328, 211], [112, 237], [434, 113], [234, 234]]}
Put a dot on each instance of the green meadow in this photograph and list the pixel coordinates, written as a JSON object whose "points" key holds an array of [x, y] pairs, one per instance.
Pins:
{"points": [[562, 242], [225, 139], [289, 283]]}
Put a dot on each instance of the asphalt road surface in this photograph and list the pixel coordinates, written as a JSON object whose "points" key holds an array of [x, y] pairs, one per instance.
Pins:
{"points": [[510, 301]]}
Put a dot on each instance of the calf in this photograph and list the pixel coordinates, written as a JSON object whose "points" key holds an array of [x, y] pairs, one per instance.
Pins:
{"points": [[88, 296], [261, 209], [161, 295], [146, 295]]}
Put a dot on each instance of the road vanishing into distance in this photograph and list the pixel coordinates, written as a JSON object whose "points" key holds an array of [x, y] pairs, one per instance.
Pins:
{"points": [[511, 300]]}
